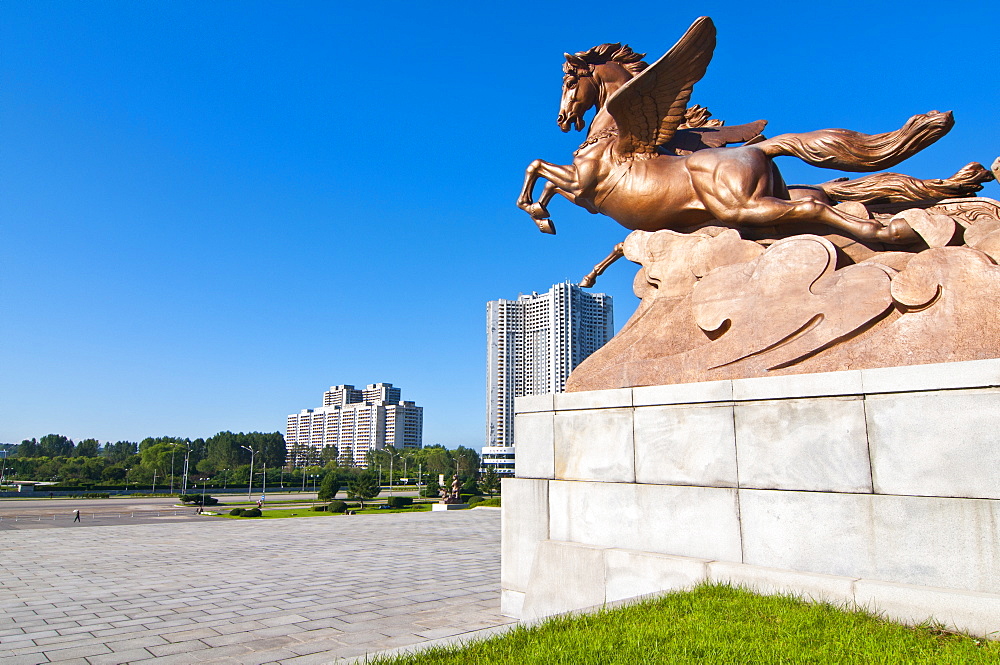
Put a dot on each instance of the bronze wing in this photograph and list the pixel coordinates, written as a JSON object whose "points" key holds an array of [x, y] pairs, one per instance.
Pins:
{"points": [[649, 108]]}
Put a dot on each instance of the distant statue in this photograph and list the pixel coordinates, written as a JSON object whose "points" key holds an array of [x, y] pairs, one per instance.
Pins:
{"points": [[454, 495]]}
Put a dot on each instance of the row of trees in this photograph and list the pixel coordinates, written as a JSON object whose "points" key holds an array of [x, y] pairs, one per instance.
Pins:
{"points": [[223, 460], [57, 457]]}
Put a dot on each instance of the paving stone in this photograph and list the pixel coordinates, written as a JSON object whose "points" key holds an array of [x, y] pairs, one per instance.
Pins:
{"points": [[154, 591], [119, 657]]}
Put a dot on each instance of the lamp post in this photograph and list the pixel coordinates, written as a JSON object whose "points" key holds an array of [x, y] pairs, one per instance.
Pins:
{"points": [[154, 482], [303, 479], [390, 475], [126, 479], [250, 485], [225, 478], [172, 449], [187, 459], [263, 484], [3, 473], [204, 484]]}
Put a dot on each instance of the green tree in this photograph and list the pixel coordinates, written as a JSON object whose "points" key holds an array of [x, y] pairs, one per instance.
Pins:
{"points": [[466, 461], [329, 454], [363, 487], [87, 448], [329, 487], [55, 445], [489, 482], [119, 451], [28, 448]]}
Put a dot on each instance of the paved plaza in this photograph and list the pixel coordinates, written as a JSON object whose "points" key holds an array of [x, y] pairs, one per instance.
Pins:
{"points": [[293, 591]]}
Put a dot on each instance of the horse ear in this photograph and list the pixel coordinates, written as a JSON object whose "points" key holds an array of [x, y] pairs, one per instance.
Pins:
{"points": [[576, 61]]}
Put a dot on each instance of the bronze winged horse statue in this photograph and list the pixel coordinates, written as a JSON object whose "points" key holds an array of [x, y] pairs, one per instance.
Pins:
{"points": [[641, 166]]}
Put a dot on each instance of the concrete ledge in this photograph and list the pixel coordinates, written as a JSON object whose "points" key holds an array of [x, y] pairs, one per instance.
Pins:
{"points": [[593, 399], [826, 384], [683, 393], [773, 581], [965, 611], [937, 376], [533, 403], [570, 577]]}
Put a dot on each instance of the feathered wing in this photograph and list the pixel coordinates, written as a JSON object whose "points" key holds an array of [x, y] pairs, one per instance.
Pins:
{"points": [[649, 108]]}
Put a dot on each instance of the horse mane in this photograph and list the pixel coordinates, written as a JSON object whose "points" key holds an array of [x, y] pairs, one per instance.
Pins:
{"points": [[604, 53]]}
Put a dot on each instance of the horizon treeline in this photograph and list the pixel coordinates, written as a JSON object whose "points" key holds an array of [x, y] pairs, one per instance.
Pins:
{"points": [[55, 455]]}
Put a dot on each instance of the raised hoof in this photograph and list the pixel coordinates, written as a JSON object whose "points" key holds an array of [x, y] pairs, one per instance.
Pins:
{"points": [[588, 281], [546, 226]]}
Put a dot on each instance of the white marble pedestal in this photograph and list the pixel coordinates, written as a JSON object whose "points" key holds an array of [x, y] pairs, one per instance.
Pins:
{"points": [[879, 488]]}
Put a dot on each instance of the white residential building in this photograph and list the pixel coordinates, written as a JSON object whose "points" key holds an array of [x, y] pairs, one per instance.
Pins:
{"points": [[533, 343], [355, 421]]}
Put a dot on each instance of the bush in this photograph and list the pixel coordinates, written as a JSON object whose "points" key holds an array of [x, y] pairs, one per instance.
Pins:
{"points": [[399, 501], [236, 511], [336, 507], [196, 499], [431, 489], [319, 509], [491, 503], [251, 512], [475, 499], [465, 497]]}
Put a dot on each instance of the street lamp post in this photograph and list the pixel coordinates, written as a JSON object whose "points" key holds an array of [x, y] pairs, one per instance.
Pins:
{"points": [[390, 475], [172, 449], [154, 482], [263, 484], [225, 478], [187, 459], [250, 485], [126, 480]]}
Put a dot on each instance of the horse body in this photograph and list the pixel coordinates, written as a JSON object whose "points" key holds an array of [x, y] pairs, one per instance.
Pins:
{"points": [[733, 186]]}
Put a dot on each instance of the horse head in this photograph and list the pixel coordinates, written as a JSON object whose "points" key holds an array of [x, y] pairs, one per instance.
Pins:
{"points": [[591, 76]]}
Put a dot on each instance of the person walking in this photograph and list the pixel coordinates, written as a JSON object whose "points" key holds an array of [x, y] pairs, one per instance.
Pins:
{"points": [[76, 515]]}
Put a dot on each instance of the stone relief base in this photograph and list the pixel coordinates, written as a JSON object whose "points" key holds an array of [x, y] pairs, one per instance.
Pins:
{"points": [[873, 487], [716, 306]]}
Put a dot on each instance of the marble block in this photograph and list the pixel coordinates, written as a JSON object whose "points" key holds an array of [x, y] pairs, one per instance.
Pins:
{"points": [[701, 522], [819, 445], [524, 523], [685, 446], [564, 577], [906, 539], [630, 574], [942, 443], [533, 436], [594, 445]]}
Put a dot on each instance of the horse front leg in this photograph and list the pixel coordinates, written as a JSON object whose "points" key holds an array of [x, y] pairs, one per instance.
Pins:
{"points": [[561, 180]]}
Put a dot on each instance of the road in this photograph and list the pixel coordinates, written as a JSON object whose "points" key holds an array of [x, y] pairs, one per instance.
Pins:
{"points": [[43, 512]]}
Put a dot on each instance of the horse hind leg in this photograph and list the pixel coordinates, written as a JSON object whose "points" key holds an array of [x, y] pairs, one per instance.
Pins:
{"points": [[767, 210]]}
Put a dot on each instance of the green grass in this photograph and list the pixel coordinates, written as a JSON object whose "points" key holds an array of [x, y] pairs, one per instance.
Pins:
{"points": [[715, 624], [308, 512]]}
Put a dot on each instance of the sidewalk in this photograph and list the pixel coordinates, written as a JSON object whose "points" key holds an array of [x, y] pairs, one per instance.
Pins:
{"points": [[295, 591]]}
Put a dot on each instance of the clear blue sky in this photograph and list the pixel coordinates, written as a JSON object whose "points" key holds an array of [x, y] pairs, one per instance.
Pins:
{"points": [[211, 212]]}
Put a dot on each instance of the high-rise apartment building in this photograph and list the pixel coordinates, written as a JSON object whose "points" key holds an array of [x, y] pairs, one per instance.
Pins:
{"points": [[355, 421], [533, 343]]}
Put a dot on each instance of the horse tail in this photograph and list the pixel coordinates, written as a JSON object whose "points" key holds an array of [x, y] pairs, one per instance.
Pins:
{"points": [[846, 150]]}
